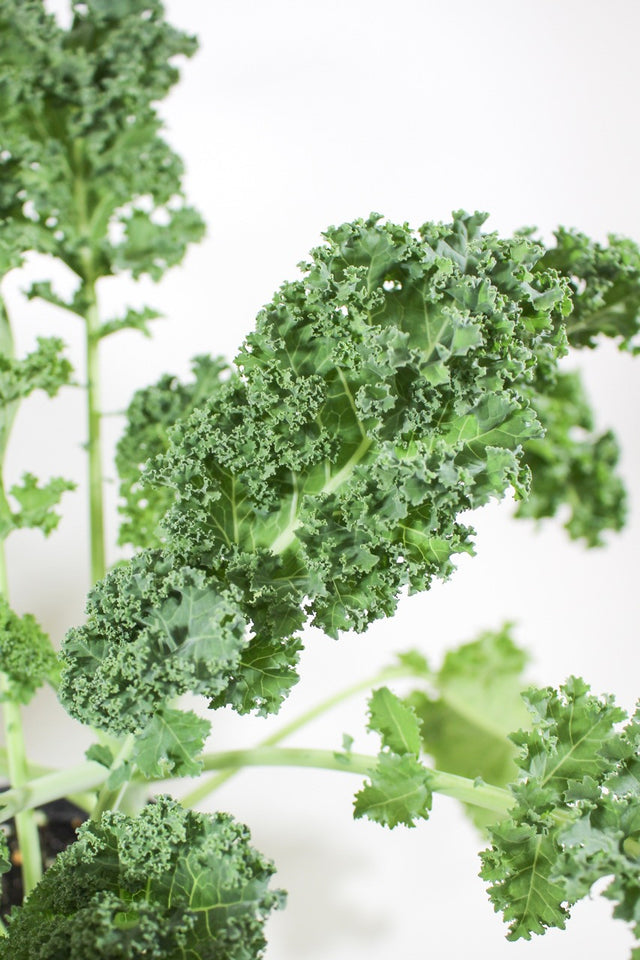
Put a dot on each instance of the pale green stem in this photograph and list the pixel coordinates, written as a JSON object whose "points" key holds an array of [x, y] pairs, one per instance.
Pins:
{"points": [[35, 769], [26, 827], [92, 322], [109, 799], [63, 783], [18, 771], [461, 788], [208, 786], [90, 775], [94, 442]]}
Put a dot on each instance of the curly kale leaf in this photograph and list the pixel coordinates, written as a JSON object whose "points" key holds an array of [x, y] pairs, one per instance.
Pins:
{"points": [[43, 369], [85, 175], [476, 702], [605, 283], [156, 632], [576, 816], [27, 658], [36, 504], [381, 396], [571, 465], [164, 885], [152, 413]]}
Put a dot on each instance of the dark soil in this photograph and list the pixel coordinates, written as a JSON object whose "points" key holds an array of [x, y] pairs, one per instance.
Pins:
{"points": [[56, 833]]}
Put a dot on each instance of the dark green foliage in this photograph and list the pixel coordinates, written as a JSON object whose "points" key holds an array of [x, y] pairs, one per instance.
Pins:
{"points": [[576, 814], [27, 658], [164, 885], [43, 369], [85, 175], [605, 282], [380, 396], [163, 631], [572, 466], [151, 415], [36, 504]]}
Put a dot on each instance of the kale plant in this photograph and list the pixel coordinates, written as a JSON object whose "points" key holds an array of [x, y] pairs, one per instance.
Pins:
{"points": [[403, 379]]}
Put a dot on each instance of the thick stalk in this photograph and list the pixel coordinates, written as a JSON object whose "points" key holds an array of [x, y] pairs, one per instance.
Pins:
{"points": [[63, 783], [17, 767], [26, 827], [108, 799], [208, 786], [94, 442], [92, 322], [468, 791]]}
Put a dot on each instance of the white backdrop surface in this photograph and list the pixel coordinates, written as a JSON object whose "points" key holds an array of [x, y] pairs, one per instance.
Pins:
{"points": [[292, 117]]}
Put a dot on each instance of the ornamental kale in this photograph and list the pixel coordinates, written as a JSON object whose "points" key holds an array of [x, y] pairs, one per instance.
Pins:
{"points": [[404, 379]]}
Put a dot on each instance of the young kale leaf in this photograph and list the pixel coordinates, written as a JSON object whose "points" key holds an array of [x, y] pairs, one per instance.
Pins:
{"points": [[576, 816], [605, 282], [27, 658], [476, 703], [572, 465], [398, 790]]}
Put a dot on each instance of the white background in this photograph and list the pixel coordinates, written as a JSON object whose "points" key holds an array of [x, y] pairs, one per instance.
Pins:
{"points": [[294, 116]]}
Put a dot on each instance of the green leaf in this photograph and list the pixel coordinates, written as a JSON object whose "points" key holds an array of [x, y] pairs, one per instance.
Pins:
{"points": [[37, 503], [397, 792], [414, 661], [43, 290], [174, 633], [572, 465], [571, 730], [523, 869], [132, 320], [27, 658], [100, 753], [331, 474], [43, 369], [5, 858], [166, 883], [120, 775], [151, 248], [80, 140], [566, 827], [476, 703], [395, 721], [168, 746], [605, 283], [265, 673], [150, 416]]}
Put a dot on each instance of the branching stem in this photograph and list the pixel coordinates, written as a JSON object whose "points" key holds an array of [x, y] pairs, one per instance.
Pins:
{"points": [[474, 792], [208, 786], [26, 826], [94, 442]]}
